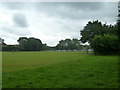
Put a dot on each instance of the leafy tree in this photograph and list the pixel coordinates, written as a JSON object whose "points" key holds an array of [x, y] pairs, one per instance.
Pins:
{"points": [[34, 44], [90, 30], [2, 42], [103, 38], [23, 43], [45, 47], [30, 44], [10, 48], [118, 23], [106, 44], [96, 28], [69, 44]]}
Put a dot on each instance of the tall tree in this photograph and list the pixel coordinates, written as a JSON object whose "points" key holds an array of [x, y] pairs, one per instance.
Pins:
{"points": [[2, 41], [23, 43], [96, 28], [30, 44], [103, 38], [90, 30]]}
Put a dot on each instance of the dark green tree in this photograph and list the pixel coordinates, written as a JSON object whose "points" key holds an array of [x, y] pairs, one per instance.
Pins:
{"points": [[96, 28], [106, 44], [23, 43], [2, 42], [90, 30], [69, 44], [30, 44], [10, 48], [102, 37]]}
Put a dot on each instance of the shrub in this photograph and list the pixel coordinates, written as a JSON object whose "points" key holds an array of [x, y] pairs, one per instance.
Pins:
{"points": [[106, 44]]}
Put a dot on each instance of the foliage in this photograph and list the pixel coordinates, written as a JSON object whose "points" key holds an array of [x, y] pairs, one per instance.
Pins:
{"points": [[30, 44], [118, 26], [96, 28], [69, 44], [106, 44], [103, 38], [2, 42], [10, 48], [90, 30], [45, 47]]}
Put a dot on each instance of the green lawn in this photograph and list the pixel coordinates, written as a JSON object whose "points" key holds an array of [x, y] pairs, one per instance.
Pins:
{"points": [[0, 70], [59, 70]]}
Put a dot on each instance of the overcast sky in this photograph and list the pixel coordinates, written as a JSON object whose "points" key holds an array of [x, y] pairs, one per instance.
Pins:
{"points": [[50, 21]]}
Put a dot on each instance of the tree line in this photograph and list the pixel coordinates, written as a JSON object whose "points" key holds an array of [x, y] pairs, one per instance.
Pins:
{"points": [[69, 44], [26, 44], [102, 38], [34, 44]]}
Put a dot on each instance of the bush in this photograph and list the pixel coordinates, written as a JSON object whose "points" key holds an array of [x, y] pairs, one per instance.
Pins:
{"points": [[106, 44], [10, 48]]}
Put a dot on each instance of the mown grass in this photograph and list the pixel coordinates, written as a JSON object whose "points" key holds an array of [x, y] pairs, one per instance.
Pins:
{"points": [[30, 60], [0, 70], [59, 70]]}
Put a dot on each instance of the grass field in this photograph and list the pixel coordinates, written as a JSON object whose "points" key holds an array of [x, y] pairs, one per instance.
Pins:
{"points": [[51, 69], [0, 70]]}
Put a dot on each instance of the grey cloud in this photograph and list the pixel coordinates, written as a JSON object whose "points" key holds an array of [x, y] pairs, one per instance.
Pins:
{"points": [[85, 5], [70, 10], [14, 5], [77, 10], [75, 5], [48, 5], [20, 20], [16, 31]]}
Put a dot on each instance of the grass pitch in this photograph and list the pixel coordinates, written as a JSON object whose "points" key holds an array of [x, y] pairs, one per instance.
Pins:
{"points": [[51, 69]]}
